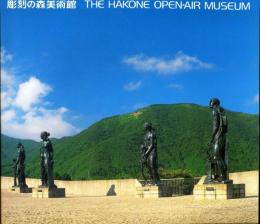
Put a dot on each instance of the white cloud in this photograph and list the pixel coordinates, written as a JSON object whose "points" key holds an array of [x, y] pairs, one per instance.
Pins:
{"points": [[30, 93], [131, 86], [8, 115], [256, 98], [5, 57], [6, 99], [180, 63], [24, 108], [7, 78], [7, 88], [175, 86], [34, 122]]}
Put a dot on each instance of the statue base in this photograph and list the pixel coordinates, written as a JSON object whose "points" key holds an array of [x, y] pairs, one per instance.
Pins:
{"points": [[17, 189], [153, 191], [215, 191], [45, 192]]}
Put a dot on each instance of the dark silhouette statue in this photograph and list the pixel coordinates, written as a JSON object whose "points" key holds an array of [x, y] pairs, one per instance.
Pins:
{"points": [[15, 172], [20, 166], [149, 154], [46, 156], [218, 161], [111, 191]]}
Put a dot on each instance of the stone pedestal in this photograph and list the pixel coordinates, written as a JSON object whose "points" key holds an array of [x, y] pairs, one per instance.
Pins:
{"points": [[21, 189], [216, 191], [153, 191], [46, 192]]}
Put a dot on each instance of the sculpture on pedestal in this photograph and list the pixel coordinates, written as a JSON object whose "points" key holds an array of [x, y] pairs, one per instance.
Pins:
{"points": [[149, 154], [47, 189], [46, 155], [20, 166], [218, 161]]}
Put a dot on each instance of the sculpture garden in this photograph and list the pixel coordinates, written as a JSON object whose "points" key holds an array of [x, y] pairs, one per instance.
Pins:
{"points": [[138, 201]]}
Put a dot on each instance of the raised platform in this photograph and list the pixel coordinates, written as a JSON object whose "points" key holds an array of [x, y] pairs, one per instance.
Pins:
{"points": [[46, 192], [216, 191], [153, 191], [21, 189]]}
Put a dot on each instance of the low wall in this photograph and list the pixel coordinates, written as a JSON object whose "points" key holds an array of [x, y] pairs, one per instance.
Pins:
{"points": [[127, 187], [250, 179]]}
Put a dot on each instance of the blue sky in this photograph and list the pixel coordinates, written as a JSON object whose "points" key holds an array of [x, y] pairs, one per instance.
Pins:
{"points": [[80, 66]]}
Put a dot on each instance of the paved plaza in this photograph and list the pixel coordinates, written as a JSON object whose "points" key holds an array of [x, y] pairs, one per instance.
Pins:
{"points": [[22, 208]]}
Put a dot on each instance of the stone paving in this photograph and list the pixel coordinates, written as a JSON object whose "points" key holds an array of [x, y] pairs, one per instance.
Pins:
{"points": [[22, 208]]}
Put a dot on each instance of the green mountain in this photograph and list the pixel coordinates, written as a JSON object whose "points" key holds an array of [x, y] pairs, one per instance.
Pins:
{"points": [[9, 151], [110, 148]]}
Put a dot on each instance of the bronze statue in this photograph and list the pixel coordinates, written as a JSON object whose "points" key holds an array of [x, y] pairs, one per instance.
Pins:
{"points": [[46, 155], [149, 154], [20, 165], [218, 167]]}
